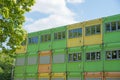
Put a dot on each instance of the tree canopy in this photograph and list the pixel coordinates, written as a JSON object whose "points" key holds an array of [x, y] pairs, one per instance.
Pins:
{"points": [[11, 23]]}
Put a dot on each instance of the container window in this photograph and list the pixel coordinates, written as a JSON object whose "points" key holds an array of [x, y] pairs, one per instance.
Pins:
{"points": [[59, 35], [63, 35], [118, 24], [70, 33], [29, 41], [70, 57], [45, 38], [44, 59], [32, 60], [93, 56], [59, 58], [114, 54], [108, 55], [113, 26], [88, 56], [93, 30], [98, 56], [79, 32], [79, 56], [97, 29], [74, 33], [119, 54], [108, 27], [74, 57], [55, 35], [87, 31]]}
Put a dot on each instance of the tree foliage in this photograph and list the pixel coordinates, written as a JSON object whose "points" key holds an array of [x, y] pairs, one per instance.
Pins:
{"points": [[11, 22]]}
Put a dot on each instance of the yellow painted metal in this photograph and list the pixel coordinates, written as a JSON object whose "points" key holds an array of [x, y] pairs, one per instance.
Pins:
{"points": [[21, 50], [96, 38], [44, 75], [74, 42], [59, 75]]}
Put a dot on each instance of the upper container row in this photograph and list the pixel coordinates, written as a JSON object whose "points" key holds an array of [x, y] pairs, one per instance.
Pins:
{"points": [[98, 31]]}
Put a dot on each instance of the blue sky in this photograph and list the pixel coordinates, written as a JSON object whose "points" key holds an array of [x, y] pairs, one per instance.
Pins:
{"points": [[47, 14]]}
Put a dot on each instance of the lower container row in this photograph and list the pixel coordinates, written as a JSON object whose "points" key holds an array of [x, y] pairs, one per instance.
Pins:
{"points": [[71, 76]]}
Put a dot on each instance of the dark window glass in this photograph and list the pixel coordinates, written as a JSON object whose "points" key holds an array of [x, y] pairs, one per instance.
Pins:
{"points": [[114, 54], [49, 37], [93, 56], [88, 56], [98, 55], [55, 36], [118, 53], [79, 56], [87, 31], [97, 29], [79, 32], [29, 40], [108, 55], [93, 30], [107, 27], [45, 38], [59, 35], [63, 35], [118, 24], [70, 33], [113, 26], [74, 57], [74, 32], [70, 57]]}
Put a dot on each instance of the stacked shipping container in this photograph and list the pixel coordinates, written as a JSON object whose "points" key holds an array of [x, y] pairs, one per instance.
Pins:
{"points": [[88, 50]]}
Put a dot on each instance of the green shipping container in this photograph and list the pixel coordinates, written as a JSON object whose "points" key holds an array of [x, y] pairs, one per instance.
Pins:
{"points": [[93, 61], [32, 63], [33, 42], [31, 76], [75, 59], [74, 76], [112, 57], [59, 61], [111, 26], [59, 38], [45, 40]]}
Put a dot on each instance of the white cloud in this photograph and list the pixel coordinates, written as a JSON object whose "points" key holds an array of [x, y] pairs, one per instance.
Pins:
{"points": [[29, 19], [59, 15], [75, 1]]}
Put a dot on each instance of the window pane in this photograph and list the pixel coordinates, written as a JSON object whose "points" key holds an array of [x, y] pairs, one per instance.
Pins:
{"points": [[88, 56], [55, 36], [49, 37], [93, 30], [79, 56], [107, 27], [97, 29], [75, 33], [59, 35], [63, 35], [119, 25], [29, 40], [45, 38], [87, 31], [114, 54], [79, 32], [113, 26], [108, 55], [70, 57], [70, 33], [98, 55], [93, 56], [74, 57], [118, 53]]}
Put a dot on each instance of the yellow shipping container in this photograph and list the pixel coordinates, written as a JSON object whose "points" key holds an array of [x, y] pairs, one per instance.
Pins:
{"points": [[56, 76], [43, 76], [93, 32], [75, 35]]}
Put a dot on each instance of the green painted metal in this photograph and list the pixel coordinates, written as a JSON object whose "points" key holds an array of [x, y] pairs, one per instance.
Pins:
{"points": [[110, 37], [19, 70], [75, 76], [19, 78], [95, 65], [31, 76], [43, 46], [19, 75], [34, 46], [75, 66], [111, 65], [32, 63], [60, 66], [59, 44]]}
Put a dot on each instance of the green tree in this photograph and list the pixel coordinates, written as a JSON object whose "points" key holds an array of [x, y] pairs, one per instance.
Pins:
{"points": [[11, 21]]}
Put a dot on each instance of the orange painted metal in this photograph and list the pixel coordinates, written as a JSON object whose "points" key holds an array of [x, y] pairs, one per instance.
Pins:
{"points": [[112, 74]]}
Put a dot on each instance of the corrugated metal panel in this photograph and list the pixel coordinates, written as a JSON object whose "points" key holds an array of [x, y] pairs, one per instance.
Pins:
{"points": [[59, 58], [44, 79], [57, 79], [31, 79]]}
